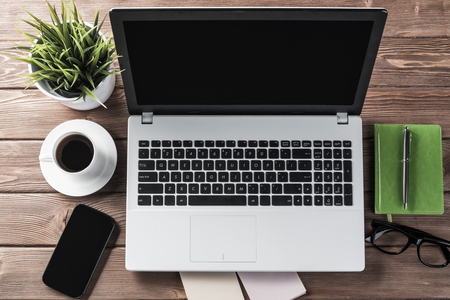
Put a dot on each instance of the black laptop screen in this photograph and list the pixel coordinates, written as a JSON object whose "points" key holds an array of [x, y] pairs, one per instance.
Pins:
{"points": [[264, 62]]}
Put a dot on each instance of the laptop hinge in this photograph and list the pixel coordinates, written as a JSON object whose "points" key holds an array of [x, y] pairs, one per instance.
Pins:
{"points": [[342, 118], [147, 118]]}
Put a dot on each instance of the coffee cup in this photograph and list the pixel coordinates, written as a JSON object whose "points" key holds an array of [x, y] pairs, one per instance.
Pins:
{"points": [[75, 154]]}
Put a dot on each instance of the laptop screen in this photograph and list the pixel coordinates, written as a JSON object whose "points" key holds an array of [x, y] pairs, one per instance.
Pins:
{"points": [[269, 60]]}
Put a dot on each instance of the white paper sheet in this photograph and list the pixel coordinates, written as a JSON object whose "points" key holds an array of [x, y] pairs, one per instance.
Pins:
{"points": [[272, 285], [211, 286]]}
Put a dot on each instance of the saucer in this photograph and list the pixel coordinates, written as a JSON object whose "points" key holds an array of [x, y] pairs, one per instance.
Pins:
{"points": [[76, 185]]}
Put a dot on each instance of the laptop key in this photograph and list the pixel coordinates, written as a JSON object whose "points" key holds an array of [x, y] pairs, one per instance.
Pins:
{"points": [[318, 200], [205, 188], [264, 200], [144, 200], [292, 188], [155, 153], [151, 188], [300, 177], [328, 200], [158, 200], [252, 200], [296, 143], [274, 153], [263, 143], [217, 200], [148, 177], [242, 143], [231, 143], [347, 171], [348, 194], [238, 153], [169, 200], [281, 200], [307, 200], [146, 165], [144, 143], [181, 200], [144, 153], [301, 153]]}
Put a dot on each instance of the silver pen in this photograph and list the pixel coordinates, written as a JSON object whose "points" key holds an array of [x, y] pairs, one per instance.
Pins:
{"points": [[406, 153]]}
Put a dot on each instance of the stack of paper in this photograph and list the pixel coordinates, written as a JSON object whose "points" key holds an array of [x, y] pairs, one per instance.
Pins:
{"points": [[258, 285]]}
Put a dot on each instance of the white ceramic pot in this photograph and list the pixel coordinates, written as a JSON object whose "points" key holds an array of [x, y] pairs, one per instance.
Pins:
{"points": [[103, 91]]}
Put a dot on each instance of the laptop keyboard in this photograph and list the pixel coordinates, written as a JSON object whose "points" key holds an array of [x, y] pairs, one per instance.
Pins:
{"points": [[245, 173]]}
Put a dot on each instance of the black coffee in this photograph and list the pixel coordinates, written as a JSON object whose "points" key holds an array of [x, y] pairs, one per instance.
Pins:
{"points": [[74, 153]]}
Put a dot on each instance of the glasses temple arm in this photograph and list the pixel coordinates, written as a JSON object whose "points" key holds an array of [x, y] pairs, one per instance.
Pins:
{"points": [[378, 235]]}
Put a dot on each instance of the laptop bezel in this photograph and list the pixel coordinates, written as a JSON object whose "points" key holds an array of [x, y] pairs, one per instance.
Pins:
{"points": [[119, 15]]}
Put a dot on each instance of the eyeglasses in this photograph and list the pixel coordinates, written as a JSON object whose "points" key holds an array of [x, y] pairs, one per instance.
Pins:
{"points": [[393, 239]]}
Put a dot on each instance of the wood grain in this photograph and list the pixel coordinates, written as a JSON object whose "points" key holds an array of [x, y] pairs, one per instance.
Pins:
{"points": [[19, 162], [21, 170], [410, 84], [22, 268], [37, 220], [400, 62], [405, 19], [409, 105], [383, 278]]}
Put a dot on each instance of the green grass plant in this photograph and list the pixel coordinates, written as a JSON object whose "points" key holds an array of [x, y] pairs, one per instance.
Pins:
{"points": [[71, 55]]}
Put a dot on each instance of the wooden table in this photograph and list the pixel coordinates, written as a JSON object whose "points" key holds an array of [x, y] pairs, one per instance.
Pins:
{"points": [[410, 84]]}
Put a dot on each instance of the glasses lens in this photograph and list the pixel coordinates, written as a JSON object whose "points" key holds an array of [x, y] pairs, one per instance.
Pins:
{"points": [[390, 240], [432, 254]]}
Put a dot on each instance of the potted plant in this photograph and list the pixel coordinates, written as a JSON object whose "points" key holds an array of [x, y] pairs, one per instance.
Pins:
{"points": [[69, 60]]}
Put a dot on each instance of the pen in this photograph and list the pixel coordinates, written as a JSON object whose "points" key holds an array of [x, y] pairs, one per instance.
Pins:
{"points": [[406, 152]]}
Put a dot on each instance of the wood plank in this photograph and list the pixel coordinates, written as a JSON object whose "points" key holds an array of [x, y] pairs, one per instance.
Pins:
{"points": [[385, 276], [21, 171], [400, 62], [20, 168], [415, 105], [21, 271], [31, 107], [409, 62], [406, 18], [39, 219]]}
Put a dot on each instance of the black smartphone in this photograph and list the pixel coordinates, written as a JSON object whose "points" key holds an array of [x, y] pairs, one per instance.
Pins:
{"points": [[78, 251]]}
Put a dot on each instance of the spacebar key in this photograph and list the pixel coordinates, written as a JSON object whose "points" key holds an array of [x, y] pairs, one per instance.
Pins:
{"points": [[218, 200]]}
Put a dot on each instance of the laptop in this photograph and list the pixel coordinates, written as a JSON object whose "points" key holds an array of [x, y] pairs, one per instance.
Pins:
{"points": [[245, 144]]}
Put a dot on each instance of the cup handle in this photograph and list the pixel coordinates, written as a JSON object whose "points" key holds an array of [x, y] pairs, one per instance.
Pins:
{"points": [[45, 158]]}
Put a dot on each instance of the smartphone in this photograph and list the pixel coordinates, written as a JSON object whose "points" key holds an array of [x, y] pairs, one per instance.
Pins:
{"points": [[78, 251]]}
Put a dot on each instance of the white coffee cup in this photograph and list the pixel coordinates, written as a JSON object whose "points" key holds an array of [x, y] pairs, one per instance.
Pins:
{"points": [[75, 154]]}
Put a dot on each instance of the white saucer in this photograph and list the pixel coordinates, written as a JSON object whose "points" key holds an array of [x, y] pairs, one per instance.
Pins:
{"points": [[72, 184]]}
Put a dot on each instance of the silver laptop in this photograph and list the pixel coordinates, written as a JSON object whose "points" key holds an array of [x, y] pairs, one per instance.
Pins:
{"points": [[244, 140]]}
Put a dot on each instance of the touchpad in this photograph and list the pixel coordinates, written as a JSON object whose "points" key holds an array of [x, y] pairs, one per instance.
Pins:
{"points": [[223, 238]]}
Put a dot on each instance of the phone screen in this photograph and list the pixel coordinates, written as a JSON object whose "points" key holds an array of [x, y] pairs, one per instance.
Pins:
{"points": [[78, 251]]}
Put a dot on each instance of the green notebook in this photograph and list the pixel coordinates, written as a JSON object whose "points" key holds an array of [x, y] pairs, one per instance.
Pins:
{"points": [[426, 188]]}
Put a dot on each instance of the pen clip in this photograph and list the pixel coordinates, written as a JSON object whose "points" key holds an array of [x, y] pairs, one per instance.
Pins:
{"points": [[407, 137], [409, 141]]}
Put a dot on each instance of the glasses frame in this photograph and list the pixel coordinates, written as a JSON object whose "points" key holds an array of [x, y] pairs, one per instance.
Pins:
{"points": [[415, 236]]}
